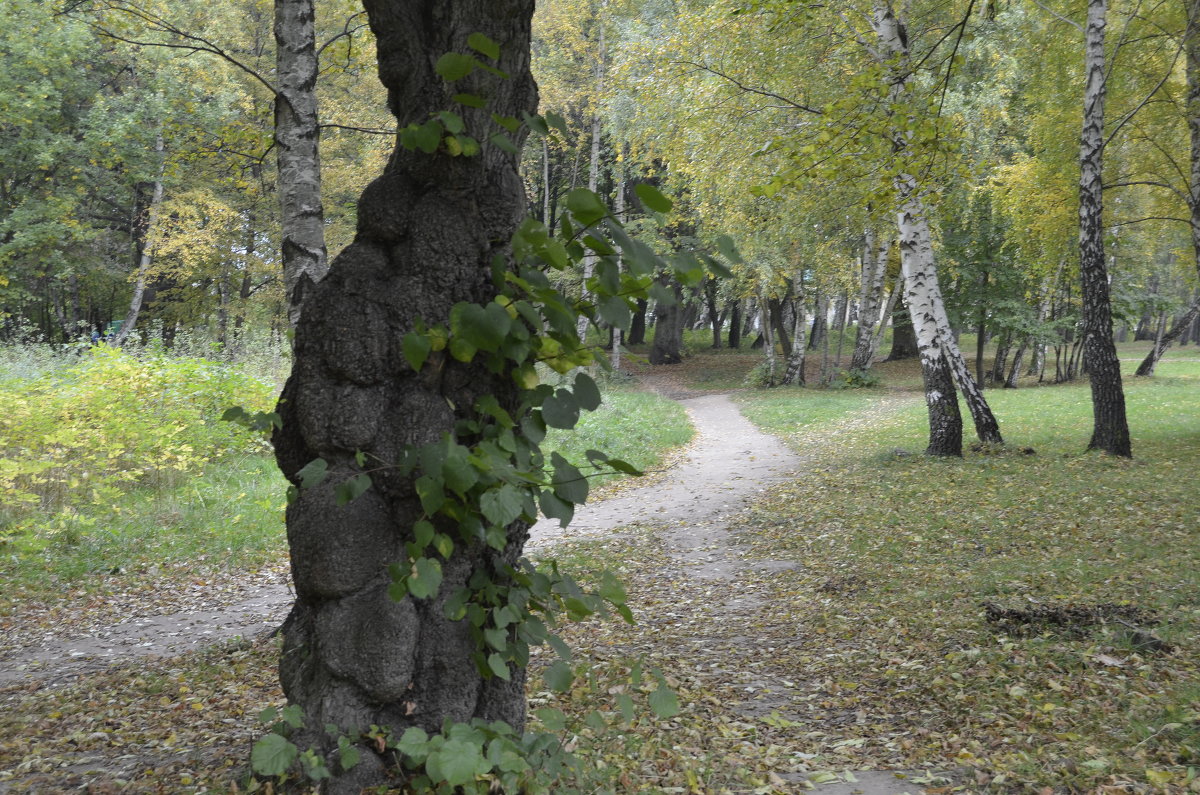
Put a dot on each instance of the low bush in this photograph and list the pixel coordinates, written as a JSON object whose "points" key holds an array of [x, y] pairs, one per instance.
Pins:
{"points": [[90, 430]]}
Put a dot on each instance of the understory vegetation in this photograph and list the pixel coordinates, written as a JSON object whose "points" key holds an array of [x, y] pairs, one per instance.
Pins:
{"points": [[1023, 619]]}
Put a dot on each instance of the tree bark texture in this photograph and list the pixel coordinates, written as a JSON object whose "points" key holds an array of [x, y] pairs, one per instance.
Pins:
{"points": [[925, 303], [1110, 429], [794, 373], [428, 230], [298, 153], [667, 347], [874, 267]]}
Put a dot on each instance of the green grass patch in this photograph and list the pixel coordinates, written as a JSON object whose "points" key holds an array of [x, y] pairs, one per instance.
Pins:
{"points": [[900, 553], [229, 516], [634, 426]]}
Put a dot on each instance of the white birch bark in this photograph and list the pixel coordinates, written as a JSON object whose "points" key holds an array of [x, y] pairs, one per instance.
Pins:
{"points": [[297, 142], [589, 259], [794, 374], [874, 266], [1110, 427], [934, 336], [146, 255]]}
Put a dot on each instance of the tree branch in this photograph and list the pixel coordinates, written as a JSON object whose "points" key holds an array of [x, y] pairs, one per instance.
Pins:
{"points": [[742, 87]]}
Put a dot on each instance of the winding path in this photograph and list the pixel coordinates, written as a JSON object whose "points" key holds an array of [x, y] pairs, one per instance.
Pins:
{"points": [[728, 461]]}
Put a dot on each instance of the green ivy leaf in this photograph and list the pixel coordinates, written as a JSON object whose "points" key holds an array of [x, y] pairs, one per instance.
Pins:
{"points": [[652, 198], [499, 667], [455, 66], [273, 755], [430, 493], [615, 311], [470, 100], [586, 392], [503, 505], [559, 677], [555, 508], [561, 410], [313, 473], [425, 579], [457, 763], [569, 482], [483, 45], [502, 141], [414, 744], [350, 490], [726, 246], [663, 701], [586, 206], [496, 638], [452, 122]]}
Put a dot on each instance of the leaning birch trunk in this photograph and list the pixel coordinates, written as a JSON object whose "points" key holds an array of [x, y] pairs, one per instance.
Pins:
{"points": [[589, 259], [873, 267], [886, 315], [146, 245], [1146, 368], [916, 255], [794, 374], [1110, 427], [298, 154]]}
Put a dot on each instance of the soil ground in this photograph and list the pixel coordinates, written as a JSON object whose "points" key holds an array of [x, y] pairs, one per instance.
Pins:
{"points": [[686, 511]]}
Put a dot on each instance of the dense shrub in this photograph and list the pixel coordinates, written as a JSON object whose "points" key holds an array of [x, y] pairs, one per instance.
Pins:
{"points": [[93, 428]]}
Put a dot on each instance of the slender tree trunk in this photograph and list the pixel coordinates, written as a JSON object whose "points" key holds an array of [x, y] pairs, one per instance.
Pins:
{"points": [[1146, 368], [981, 330], [428, 231], [794, 374], [780, 335], [144, 227], [916, 253], [764, 319], [589, 259], [874, 267], [547, 214], [637, 327], [714, 316], [843, 311], [886, 315], [735, 324], [1110, 427], [619, 210], [298, 152]]}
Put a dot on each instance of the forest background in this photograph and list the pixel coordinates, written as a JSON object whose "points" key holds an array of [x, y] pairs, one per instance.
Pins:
{"points": [[138, 200]]}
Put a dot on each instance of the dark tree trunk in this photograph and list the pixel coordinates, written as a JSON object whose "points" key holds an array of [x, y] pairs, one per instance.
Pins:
{"points": [[667, 347], [904, 336], [714, 316], [637, 328], [735, 324], [820, 324], [779, 331], [1110, 429], [428, 230]]}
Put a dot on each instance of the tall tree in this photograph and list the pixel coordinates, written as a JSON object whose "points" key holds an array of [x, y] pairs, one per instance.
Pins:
{"points": [[1110, 430], [429, 230], [298, 151]]}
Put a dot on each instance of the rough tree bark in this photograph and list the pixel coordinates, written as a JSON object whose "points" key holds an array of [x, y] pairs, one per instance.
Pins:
{"points": [[1110, 427], [428, 230], [926, 307], [298, 156], [874, 267], [794, 373], [667, 347]]}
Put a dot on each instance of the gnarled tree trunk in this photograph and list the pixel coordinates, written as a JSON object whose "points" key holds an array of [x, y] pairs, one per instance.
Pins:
{"points": [[428, 230]]}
